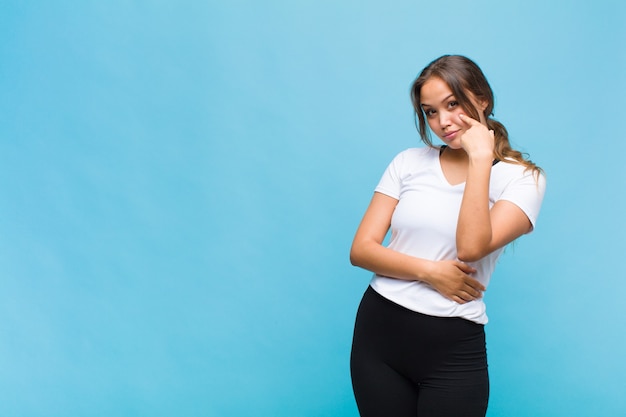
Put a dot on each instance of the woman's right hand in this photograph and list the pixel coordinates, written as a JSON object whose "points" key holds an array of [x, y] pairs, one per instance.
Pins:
{"points": [[452, 280]]}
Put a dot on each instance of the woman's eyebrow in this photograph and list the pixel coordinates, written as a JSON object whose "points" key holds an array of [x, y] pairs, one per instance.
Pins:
{"points": [[446, 98]]}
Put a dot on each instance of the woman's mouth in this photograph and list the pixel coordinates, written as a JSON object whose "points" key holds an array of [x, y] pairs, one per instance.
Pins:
{"points": [[450, 135]]}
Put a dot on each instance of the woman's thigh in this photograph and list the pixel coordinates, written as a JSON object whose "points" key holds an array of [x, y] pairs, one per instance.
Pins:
{"points": [[403, 362]]}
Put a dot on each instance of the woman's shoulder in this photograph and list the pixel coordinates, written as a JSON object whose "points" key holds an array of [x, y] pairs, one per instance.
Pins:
{"points": [[414, 154], [409, 159], [510, 170]]}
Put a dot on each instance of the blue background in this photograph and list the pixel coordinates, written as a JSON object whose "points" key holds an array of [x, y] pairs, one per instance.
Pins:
{"points": [[180, 184]]}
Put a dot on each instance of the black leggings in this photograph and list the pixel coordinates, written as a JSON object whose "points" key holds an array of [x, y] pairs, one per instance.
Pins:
{"points": [[405, 363]]}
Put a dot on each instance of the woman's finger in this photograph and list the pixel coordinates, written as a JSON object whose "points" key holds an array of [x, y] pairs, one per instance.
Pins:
{"points": [[469, 120]]}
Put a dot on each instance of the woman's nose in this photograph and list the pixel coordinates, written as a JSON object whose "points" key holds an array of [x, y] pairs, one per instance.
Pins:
{"points": [[444, 118]]}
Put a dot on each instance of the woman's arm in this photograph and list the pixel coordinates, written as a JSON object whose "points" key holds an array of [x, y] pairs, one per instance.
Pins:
{"points": [[480, 230], [450, 278]]}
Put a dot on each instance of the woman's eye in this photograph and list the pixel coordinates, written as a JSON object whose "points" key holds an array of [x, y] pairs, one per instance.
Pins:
{"points": [[453, 104], [429, 112]]}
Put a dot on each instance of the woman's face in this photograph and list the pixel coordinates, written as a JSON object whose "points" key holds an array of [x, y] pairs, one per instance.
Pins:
{"points": [[442, 111]]}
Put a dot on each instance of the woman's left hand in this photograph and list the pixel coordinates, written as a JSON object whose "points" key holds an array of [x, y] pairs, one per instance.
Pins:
{"points": [[477, 140]]}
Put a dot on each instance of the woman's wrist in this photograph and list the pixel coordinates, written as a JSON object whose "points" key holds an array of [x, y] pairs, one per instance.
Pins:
{"points": [[482, 158], [425, 270]]}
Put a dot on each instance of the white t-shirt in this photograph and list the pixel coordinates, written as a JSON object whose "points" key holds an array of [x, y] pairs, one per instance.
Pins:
{"points": [[424, 224]]}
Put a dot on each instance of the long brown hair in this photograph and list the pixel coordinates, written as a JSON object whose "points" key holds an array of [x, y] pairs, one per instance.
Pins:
{"points": [[463, 75]]}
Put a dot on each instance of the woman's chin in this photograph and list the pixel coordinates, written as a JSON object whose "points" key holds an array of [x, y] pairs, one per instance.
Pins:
{"points": [[452, 144]]}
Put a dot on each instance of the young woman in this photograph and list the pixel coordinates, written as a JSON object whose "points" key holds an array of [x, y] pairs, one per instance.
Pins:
{"points": [[419, 341]]}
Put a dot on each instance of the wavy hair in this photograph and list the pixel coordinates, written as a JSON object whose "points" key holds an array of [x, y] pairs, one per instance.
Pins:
{"points": [[462, 75]]}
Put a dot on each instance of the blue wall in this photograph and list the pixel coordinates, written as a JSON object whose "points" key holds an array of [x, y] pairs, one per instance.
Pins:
{"points": [[180, 183]]}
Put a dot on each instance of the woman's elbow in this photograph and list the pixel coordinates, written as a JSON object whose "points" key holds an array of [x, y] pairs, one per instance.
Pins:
{"points": [[356, 254], [470, 254], [354, 257]]}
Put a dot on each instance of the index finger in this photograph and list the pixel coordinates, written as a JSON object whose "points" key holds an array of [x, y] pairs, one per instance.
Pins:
{"points": [[477, 285], [474, 284], [468, 120], [465, 267]]}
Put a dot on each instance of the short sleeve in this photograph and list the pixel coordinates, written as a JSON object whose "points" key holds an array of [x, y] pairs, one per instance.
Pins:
{"points": [[526, 191], [390, 183]]}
